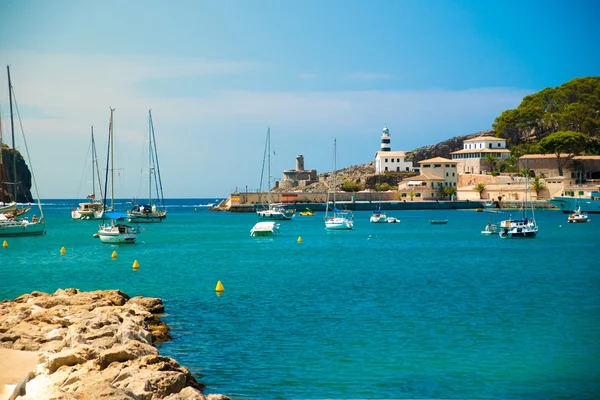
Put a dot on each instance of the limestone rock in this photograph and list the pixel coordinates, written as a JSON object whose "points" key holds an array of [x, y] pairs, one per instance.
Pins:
{"points": [[95, 345]]}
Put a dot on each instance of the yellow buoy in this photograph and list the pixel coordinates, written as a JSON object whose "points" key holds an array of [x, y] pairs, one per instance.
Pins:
{"points": [[299, 239], [219, 287], [5, 244], [114, 254], [63, 250], [136, 265]]}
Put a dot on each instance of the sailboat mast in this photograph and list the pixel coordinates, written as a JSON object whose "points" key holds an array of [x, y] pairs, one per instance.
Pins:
{"points": [[93, 171], [112, 170], [159, 190], [269, 166], [150, 158], [12, 131], [334, 168]]}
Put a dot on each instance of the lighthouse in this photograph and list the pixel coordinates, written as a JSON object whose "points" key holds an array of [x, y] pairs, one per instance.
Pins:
{"points": [[385, 139]]}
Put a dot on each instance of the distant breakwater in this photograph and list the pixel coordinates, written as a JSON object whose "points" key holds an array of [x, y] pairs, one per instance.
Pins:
{"points": [[406, 205]]}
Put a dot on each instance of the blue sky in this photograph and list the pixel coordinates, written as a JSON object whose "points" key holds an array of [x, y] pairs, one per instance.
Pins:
{"points": [[217, 74]]}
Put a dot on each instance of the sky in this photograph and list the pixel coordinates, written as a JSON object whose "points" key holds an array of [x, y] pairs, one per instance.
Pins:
{"points": [[217, 74]]}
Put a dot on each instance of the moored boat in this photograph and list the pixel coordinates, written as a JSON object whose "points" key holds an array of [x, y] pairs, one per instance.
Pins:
{"points": [[578, 216], [265, 228]]}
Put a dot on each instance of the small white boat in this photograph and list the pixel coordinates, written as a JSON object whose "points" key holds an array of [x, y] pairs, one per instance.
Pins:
{"points": [[578, 216], [154, 210], [11, 221], [526, 227], [94, 208], [490, 229], [392, 220], [117, 233], [21, 226], [265, 228], [276, 212], [114, 232], [378, 217], [339, 220]]}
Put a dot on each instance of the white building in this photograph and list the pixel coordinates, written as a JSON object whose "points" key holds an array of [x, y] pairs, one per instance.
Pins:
{"points": [[387, 160], [470, 159]]}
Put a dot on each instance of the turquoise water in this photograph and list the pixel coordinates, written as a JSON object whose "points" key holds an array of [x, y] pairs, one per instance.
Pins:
{"points": [[407, 311]]}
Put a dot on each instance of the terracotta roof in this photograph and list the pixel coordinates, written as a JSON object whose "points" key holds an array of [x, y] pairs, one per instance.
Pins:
{"points": [[483, 138], [438, 159]]}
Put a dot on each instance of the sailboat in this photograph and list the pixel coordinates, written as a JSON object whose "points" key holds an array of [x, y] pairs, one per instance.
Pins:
{"points": [[337, 220], [525, 227], [151, 212], [115, 232], [11, 221], [378, 216], [273, 211], [94, 208]]}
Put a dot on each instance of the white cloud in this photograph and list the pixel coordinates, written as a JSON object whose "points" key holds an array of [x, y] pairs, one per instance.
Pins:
{"points": [[208, 145]]}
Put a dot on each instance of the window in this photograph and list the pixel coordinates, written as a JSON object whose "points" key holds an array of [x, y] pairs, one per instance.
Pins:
{"points": [[453, 174], [392, 160], [418, 195], [386, 168], [437, 165], [490, 146], [403, 194], [426, 166], [386, 160], [397, 169], [446, 174], [447, 165], [397, 160], [498, 144]]}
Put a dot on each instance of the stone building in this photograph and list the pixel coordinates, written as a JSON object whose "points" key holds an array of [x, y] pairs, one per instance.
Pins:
{"points": [[299, 177], [436, 174], [579, 168], [471, 159]]}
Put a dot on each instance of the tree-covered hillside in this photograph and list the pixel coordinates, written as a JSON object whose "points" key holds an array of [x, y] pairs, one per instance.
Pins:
{"points": [[573, 106]]}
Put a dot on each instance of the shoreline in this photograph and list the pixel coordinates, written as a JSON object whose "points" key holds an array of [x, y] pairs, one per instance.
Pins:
{"points": [[100, 344]]}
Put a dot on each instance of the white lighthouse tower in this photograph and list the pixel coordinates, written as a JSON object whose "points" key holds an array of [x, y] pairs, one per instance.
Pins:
{"points": [[385, 139]]}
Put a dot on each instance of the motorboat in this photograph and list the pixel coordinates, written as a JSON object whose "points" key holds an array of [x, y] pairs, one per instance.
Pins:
{"points": [[265, 228]]}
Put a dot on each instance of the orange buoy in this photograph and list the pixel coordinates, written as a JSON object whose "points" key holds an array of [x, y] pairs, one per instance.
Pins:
{"points": [[114, 254], [63, 251]]}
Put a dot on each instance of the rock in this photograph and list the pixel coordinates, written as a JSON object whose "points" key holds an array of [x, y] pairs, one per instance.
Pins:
{"points": [[95, 345], [126, 352], [153, 305]]}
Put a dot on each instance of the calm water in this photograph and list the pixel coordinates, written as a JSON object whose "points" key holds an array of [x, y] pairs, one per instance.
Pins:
{"points": [[407, 310]]}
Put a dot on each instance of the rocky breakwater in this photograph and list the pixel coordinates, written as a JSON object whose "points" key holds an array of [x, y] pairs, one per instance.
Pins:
{"points": [[94, 345]]}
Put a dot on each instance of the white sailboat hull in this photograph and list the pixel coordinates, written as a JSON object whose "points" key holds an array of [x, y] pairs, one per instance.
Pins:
{"points": [[339, 224], [517, 229], [378, 218], [22, 228], [276, 215]]}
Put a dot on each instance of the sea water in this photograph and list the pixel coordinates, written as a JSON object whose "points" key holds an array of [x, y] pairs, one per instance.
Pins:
{"points": [[407, 310]]}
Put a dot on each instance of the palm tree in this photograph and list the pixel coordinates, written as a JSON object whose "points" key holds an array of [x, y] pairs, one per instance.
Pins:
{"points": [[490, 159], [538, 185], [480, 187]]}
